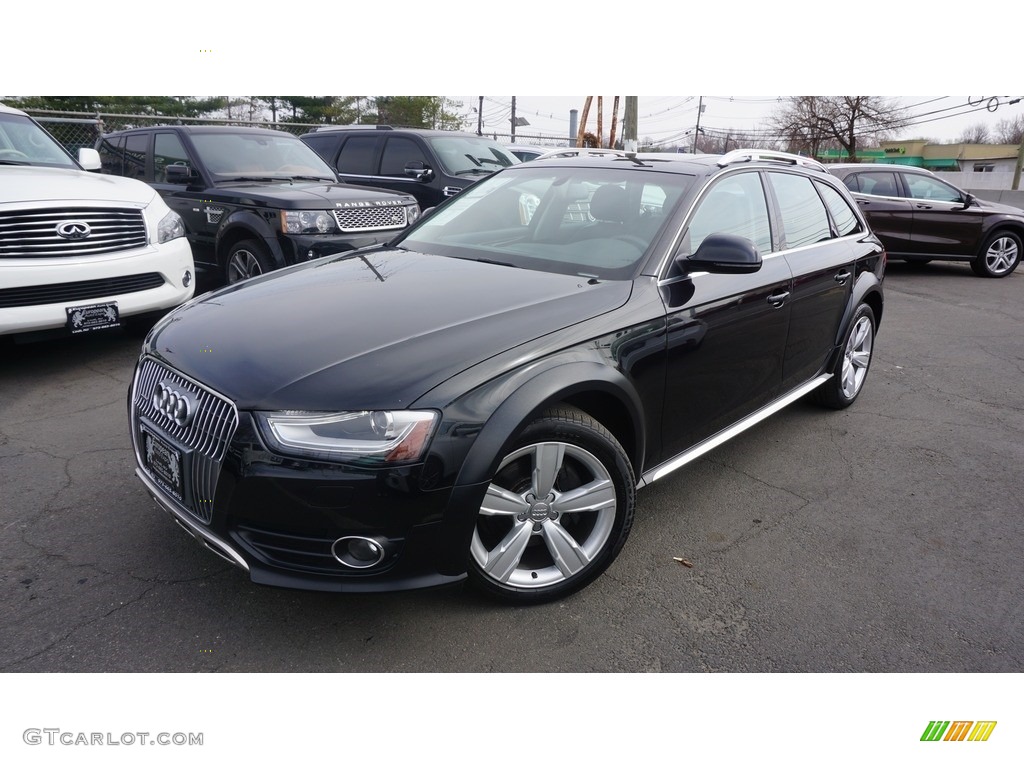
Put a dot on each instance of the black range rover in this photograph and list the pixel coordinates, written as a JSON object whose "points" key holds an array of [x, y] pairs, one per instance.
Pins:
{"points": [[254, 199], [483, 396]]}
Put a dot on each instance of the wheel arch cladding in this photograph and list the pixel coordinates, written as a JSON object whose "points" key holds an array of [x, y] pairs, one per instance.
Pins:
{"points": [[599, 390]]}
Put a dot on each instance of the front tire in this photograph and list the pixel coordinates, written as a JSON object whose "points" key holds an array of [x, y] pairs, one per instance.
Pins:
{"points": [[557, 511], [999, 256], [246, 259], [851, 369]]}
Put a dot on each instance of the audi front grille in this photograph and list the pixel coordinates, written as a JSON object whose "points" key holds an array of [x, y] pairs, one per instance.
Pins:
{"points": [[56, 232], [205, 434]]}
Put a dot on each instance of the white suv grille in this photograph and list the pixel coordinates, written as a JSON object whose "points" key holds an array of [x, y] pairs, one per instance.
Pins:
{"points": [[56, 232]]}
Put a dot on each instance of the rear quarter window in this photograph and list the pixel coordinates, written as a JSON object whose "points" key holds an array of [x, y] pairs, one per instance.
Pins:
{"points": [[804, 220], [843, 215]]}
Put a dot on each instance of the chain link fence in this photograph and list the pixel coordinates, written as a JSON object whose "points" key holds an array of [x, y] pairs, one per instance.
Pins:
{"points": [[76, 130]]}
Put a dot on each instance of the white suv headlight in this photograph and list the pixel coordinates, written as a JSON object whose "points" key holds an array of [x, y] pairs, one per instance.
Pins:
{"points": [[170, 227]]}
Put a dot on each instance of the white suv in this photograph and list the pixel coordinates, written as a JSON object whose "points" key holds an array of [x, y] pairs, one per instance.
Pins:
{"points": [[80, 251]]}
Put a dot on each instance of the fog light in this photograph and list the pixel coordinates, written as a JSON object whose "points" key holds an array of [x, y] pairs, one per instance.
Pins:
{"points": [[186, 279], [357, 551]]}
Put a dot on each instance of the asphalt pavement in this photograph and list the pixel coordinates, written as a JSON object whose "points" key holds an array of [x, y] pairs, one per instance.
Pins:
{"points": [[883, 538]]}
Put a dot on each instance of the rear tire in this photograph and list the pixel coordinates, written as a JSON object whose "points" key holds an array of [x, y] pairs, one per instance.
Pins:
{"points": [[851, 368], [557, 511]]}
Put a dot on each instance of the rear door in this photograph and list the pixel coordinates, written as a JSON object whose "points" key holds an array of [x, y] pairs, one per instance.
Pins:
{"points": [[889, 213], [817, 230]]}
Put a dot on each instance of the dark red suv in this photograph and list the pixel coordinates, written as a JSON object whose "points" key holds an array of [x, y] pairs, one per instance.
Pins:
{"points": [[919, 217]]}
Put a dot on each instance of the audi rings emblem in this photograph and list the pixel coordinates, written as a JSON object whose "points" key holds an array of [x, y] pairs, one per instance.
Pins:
{"points": [[173, 404], [74, 230]]}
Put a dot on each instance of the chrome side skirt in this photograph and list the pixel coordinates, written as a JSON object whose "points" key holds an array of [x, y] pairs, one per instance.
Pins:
{"points": [[714, 441]]}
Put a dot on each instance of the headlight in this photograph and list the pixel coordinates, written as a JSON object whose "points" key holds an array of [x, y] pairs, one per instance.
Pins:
{"points": [[170, 227], [307, 222], [412, 213], [376, 437]]}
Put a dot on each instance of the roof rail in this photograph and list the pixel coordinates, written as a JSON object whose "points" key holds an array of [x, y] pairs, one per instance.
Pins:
{"points": [[354, 127], [753, 155]]}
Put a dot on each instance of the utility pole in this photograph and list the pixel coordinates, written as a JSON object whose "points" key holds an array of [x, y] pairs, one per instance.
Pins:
{"points": [[696, 133], [583, 121], [480, 118], [1020, 163], [629, 125], [513, 119]]}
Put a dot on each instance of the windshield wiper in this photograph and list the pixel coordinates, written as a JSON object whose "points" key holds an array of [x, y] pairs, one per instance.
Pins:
{"points": [[312, 178], [14, 162], [258, 178], [473, 171]]}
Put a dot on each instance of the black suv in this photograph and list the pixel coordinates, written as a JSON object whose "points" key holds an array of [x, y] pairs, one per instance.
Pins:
{"points": [[919, 217], [429, 165], [524, 359], [254, 199]]}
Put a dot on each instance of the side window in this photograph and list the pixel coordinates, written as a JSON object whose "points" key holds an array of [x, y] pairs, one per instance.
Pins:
{"points": [[881, 183], [842, 214], [167, 150], [804, 220], [135, 147], [734, 206], [111, 151], [399, 150], [926, 188], [357, 156]]}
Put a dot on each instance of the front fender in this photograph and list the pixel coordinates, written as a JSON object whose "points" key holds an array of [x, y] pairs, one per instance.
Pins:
{"points": [[515, 409], [245, 225], [562, 383]]}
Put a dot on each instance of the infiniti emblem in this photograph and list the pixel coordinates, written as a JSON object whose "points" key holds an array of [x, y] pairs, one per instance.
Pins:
{"points": [[172, 404], [74, 230]]}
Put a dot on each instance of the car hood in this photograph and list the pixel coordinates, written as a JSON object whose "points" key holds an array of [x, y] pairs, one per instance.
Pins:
{"points": [[29, 184], [307, 194], [368, 330], [988, 205]]}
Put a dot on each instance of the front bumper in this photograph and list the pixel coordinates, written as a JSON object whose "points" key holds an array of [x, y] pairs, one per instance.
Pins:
{"points": [[283, 520], [170, 261]]}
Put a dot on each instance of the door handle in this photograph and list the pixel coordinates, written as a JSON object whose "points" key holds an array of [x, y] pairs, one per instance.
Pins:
{"points": [[842, 277], [924, 206], [778, 299]]}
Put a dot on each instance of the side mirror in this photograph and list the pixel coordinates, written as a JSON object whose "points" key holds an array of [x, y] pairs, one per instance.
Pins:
{"points": [[724, 255], [968, 199], [418, 170], [89, 159], [178, 174]]}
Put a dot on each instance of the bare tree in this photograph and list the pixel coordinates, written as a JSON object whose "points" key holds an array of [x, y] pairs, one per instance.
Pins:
{"points": [[1010, 131], [812, 123], [975, 134]]}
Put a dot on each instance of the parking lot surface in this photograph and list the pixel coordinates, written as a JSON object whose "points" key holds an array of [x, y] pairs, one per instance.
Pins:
{"points": [[883, 538]]}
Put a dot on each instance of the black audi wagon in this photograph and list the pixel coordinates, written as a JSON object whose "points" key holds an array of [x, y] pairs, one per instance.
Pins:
{"points": [[482, 397]]}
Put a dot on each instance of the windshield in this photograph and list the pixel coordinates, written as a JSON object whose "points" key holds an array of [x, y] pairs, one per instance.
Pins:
{"points": [[586, 221], [471, 156], [239, 155], [23, 142]]}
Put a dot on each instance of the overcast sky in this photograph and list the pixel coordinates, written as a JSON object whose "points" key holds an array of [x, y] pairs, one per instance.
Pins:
{"points": [[672, 119]]}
